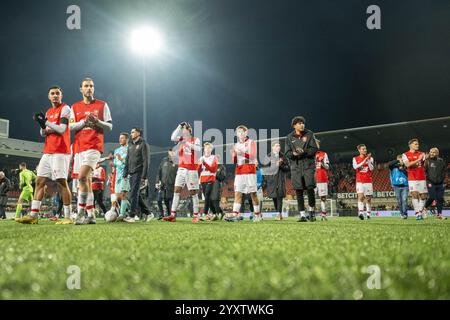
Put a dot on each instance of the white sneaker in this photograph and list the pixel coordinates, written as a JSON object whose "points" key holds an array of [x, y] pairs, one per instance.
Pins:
{"points": [[136, 218], [79, 220], [89, 220], [129, 219], [150, 217]]}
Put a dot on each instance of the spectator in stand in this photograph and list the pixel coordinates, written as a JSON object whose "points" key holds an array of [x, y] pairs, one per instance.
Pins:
{"points": [[5, 186], [399, 181]]}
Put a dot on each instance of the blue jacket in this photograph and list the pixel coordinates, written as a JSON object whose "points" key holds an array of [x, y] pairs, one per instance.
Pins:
{"points": [[259, 178], [398, 177]]}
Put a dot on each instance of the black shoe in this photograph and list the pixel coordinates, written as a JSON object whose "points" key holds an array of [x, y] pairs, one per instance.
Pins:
{"points": [[361, 216], [312, 217], [302, 219]]}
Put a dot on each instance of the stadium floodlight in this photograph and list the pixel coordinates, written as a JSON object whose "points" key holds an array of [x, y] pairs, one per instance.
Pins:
{"points": [[146, 41]]}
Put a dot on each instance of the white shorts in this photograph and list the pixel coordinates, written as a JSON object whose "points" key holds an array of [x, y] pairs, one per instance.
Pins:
{"points": [[54, 166], [86, 158], [365, 188], [322, 189], [418, 186], [188, 178], [245, 183], [122, 184]]}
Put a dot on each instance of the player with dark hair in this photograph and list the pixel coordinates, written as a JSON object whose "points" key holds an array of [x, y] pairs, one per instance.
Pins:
{"points": [[322, 167], [54, 164], [26, 178], [187, 174], [414, 160], [300, 149], [244, 155]]}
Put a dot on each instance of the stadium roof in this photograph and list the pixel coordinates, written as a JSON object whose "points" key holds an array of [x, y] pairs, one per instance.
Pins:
{"points": [[21, 148], [387, 140]]}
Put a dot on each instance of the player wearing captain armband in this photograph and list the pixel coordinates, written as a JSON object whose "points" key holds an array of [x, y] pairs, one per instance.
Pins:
{"points": [[54, 164]]}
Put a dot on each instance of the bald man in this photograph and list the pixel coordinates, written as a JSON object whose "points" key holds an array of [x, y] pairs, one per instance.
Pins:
{"points": [[435, 172]]}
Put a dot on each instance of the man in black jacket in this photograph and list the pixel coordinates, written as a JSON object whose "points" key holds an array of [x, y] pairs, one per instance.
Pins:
{"points": [[136, 167], [276, 168], [435, 173], [221, 175], [165, 181], [5, 186], [300, 149]]}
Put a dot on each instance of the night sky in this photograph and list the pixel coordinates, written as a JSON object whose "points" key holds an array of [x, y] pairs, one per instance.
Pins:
{"points": [[230, 62]]}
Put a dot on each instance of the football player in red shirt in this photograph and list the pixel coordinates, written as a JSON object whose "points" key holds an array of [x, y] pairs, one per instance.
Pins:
{"points": [[363, 164], [414, 161], [89, 118], [244, 155], [322, 166], [187, 173], [54, 164]]}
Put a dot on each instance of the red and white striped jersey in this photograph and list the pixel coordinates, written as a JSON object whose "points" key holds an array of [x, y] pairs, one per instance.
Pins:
{"points": [[364, 167], [245, 157], [416, 173], [322, 165], [208, 168]]}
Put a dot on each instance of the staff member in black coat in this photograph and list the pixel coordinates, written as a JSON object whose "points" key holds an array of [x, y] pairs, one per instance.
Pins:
{"points": [[5, 186], [300, 149], [165, 181], [275, 169], [136, 167], [435, 173]]}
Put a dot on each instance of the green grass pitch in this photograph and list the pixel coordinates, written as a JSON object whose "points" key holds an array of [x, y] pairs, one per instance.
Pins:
{"points": [[220, 260]]}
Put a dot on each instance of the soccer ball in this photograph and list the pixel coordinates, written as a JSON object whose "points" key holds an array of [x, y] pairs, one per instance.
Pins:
{"points": [[110, 216]]}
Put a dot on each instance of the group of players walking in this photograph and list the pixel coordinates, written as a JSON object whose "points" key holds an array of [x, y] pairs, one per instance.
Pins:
{"points": [[90, 118]]}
